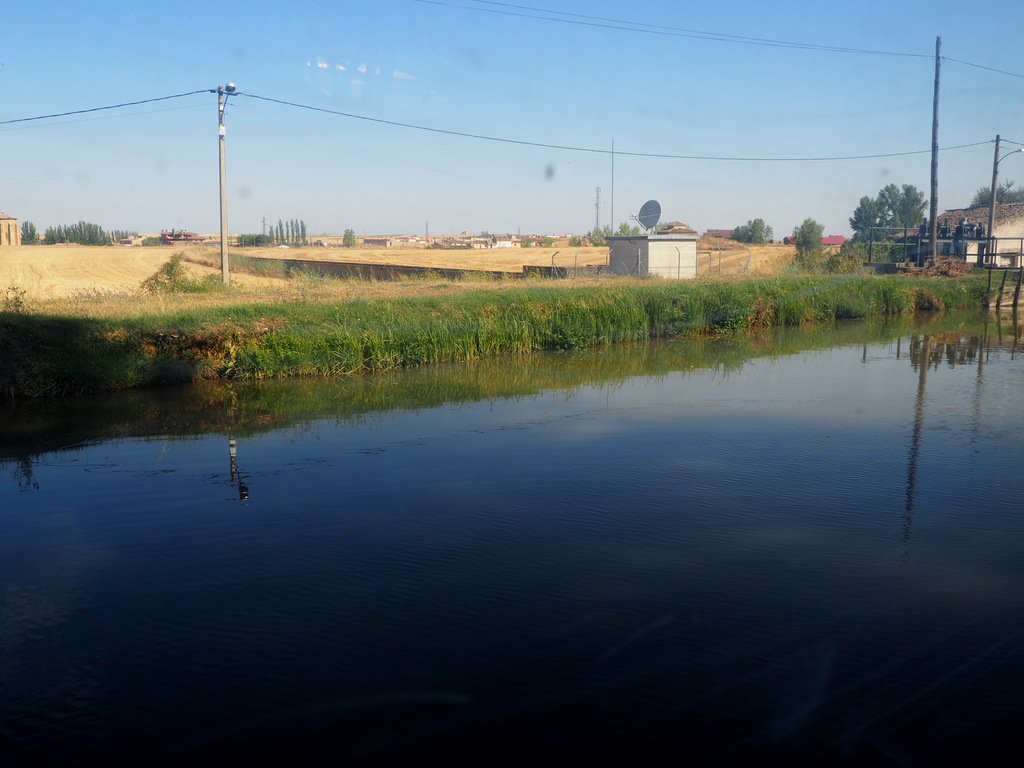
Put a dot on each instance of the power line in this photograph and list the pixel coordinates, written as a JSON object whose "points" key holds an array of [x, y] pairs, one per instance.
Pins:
{"points": [[112, 106], [623, 25], [505, 140], [593, 150], [982, 66]]}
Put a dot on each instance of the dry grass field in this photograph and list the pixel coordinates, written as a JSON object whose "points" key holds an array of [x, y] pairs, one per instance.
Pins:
{"points": [[60, 272]]}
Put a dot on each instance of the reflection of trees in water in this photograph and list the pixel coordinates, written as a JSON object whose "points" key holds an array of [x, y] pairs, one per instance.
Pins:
{"points": [[931, 350], [24, 475], [955, 348]]}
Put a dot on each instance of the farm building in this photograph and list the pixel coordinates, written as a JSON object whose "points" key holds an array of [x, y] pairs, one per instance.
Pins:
{"points": [[1008, 230], [826, 240], [10, 233], [178, 236], [963, 232], [668, 253]]}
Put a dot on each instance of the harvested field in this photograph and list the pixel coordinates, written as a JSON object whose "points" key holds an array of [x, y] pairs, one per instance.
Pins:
{"points": [[62, 271]]}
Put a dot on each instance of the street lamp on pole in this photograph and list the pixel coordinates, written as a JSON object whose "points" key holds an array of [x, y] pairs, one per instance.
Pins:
{"points": [[222, 100], [996, 160]]}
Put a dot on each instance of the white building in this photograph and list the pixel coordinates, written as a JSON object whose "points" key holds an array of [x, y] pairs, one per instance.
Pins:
{"points": [[670, 253]]}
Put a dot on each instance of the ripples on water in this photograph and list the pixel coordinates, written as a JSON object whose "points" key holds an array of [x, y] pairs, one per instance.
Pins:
{"points": [[800, 557]]}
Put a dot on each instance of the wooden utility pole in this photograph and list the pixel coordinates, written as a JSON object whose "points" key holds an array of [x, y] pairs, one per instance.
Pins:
{"points": [[933, 205]]}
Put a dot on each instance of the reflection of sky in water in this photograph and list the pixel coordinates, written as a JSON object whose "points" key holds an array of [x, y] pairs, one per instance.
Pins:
{"points": [[768, 549]]}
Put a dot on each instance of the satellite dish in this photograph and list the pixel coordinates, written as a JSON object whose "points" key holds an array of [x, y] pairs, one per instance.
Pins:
{"points": [[650, 213]]}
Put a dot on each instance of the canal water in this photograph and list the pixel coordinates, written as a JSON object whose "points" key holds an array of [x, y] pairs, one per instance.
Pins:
{"points": [[802, 548]]}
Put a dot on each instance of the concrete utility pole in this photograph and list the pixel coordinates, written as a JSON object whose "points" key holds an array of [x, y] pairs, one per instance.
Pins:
{"points": [[996, 159], [222, 100]]}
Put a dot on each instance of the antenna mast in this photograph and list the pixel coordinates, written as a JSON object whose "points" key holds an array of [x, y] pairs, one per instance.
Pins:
{"points": [[597, 209]]}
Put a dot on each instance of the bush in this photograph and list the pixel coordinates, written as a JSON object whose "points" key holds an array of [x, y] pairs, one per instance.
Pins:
{"points": [[149, 242], [14, 300], [848, 259], [173, 277]]}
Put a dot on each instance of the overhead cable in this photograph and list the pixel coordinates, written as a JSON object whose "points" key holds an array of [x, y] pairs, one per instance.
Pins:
{"points": [[596, 150], [505, 140], [112, 106], [623, 25]]}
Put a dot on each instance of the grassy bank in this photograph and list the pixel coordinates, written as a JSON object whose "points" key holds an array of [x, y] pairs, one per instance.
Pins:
{"points": [[49, 353]]}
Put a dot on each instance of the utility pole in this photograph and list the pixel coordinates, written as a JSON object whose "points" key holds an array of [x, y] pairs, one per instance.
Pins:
{"points": [[597, 210], [992, 245], [992, 205], [611, 217], [933, 204], [222, 99]]}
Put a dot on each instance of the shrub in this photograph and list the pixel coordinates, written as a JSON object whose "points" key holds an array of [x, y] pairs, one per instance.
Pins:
{"points": [[173, 277], [14, 300], [846, 260]]}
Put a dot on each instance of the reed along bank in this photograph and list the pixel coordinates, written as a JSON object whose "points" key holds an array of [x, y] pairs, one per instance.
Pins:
{"points": [[276, 334]]}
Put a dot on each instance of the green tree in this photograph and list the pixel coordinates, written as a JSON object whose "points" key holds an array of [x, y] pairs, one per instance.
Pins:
{"points": [[255, 241], [754, 231], [904, 205], [83, 233], [896, 207], [869, 213], [349, 238], [625, 230], [575, 241], [982, 198], [547, 242], [598, 236], [525, 242], [807, 239], [29, 236]]}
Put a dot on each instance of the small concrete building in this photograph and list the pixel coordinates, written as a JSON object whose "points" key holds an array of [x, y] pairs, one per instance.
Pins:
{"points": [[10, 232], [669, 253]]}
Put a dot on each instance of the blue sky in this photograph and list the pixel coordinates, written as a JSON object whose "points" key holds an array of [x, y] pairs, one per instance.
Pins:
{"points": [[504, 71]]}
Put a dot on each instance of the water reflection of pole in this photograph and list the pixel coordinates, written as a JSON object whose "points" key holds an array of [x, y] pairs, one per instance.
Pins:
{"points": [[924, 360], [1016, 332], [979, 379], [236, 476]]}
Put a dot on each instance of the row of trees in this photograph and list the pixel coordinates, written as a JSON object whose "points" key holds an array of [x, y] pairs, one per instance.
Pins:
{"points": [[83, 233], [291, 232]]}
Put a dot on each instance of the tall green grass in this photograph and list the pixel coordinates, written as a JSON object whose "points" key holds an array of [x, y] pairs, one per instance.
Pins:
{"points": [[46, 355]]}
